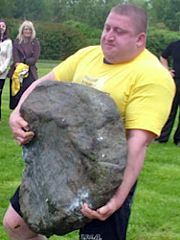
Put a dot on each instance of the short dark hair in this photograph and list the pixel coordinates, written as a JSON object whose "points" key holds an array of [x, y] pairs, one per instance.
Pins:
{"points": [[137, 14]]}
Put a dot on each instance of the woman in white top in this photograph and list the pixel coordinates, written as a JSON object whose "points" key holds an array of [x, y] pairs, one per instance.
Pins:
{"points": [[5, 55]]}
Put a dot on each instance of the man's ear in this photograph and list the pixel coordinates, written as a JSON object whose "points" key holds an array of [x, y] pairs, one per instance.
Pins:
{"points": [[141, 40]]}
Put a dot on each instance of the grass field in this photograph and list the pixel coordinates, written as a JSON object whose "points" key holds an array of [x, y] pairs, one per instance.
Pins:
{"points": [[156, 208]]}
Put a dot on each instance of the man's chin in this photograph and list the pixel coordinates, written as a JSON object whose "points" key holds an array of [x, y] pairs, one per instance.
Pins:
{"points": [[109, 58]]}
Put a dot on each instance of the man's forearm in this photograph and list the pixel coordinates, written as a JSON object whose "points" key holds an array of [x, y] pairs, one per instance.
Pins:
{"points": [[138, 141]]}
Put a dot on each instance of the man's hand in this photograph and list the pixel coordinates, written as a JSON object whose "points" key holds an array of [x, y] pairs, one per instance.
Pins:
{"points": [[101, 213], [18, 125], [20, 128]]}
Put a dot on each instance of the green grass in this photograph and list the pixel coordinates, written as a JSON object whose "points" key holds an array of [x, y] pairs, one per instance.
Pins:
{"points": [[156, 208]]}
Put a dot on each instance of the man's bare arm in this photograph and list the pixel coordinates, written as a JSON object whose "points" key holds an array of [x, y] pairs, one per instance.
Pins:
{"points": [[18, 125], [137, 145]]}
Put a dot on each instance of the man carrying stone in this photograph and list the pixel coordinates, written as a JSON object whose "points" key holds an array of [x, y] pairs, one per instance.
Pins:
{"points": [[139, 84]]}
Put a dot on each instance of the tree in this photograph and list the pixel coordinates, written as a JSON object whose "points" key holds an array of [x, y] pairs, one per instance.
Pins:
{"points": [[167, 12], [34, 10], [7, 8], [91, 12]]}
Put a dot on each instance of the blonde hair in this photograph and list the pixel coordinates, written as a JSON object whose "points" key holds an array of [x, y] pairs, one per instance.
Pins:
{"points": [[28, 24]]}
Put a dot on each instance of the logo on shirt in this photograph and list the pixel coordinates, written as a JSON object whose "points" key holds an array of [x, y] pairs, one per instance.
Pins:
{"points": [[97, 83], [91, 237]]}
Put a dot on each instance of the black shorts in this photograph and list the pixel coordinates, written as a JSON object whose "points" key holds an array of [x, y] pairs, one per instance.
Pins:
{"points": [[15, 202], [114, 228]]}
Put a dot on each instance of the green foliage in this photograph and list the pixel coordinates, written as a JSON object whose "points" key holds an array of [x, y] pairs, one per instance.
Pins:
{"points": [[91, 34], [158, 40], [21, 9], [59, 41], [167, 12], [91, 12], [13, 25], [7, 8], [82, 22]]}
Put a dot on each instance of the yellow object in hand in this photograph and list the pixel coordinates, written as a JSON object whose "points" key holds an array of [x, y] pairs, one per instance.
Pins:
{"points": [[21, 72]]}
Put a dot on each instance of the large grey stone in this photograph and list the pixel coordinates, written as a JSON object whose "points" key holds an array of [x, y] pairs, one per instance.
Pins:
{"points": [[78, 155]]}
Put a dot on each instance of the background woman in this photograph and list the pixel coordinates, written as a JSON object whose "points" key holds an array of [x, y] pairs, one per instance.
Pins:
{"points": [[26, 49], [5, 55]]}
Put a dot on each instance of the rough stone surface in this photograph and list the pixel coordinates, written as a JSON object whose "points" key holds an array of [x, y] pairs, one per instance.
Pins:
{"points": [[78, 155]]}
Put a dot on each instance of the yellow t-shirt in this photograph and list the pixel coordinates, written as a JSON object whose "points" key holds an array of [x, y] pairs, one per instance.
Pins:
{"points": [[142, 88]]}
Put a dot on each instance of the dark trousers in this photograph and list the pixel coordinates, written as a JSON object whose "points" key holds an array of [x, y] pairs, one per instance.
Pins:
{"points": [[2, 81], [166, 131], [114, 228], [14, 100]]}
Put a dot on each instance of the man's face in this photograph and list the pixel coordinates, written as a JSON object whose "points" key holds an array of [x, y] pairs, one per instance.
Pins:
{"points": [[118, 39]]}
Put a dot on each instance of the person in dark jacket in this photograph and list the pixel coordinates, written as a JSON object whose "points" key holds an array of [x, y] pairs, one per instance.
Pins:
{"points": [[26, 49], [172, 52]]}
